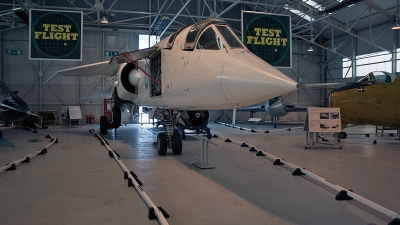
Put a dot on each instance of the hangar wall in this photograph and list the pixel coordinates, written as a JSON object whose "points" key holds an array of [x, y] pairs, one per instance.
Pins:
{"points": [[378, 38], [27, 76]]}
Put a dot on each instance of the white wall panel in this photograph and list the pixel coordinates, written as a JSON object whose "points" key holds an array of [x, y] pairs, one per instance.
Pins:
{"points": [[21, 74]]}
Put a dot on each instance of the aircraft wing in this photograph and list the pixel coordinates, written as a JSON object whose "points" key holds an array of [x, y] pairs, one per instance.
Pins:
{"points": [[94, 69], [256, 108], [105, 68], [134, 55], [321, 85], [295, 108], [105, 94]]}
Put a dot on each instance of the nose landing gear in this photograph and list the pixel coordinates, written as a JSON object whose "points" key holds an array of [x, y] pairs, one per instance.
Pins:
{"points": [[172, 141]]}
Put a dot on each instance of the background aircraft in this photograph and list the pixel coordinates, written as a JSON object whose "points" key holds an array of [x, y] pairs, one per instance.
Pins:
{"points": [[275, 107], [198, 68], [374, 100], [12, 107]]}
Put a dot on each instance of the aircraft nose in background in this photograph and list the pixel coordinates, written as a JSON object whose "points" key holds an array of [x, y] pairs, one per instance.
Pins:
{"points": [[248, 80]]}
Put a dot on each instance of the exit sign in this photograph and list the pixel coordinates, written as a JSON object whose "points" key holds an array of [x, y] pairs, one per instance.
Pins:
{"points": [[13, 52], [108, 53]]}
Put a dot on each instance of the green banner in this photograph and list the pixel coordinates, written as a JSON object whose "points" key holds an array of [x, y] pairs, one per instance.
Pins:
{"points": [[268, 36], [55, 35]]}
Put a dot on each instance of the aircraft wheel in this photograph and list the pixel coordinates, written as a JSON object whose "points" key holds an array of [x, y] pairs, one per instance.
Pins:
{"points": [[342, 135], [116, 117], [103, 125], [162, 143], [177, 143]]}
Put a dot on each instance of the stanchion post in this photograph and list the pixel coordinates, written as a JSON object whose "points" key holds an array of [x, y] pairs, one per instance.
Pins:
{"points": [[204, 156]]}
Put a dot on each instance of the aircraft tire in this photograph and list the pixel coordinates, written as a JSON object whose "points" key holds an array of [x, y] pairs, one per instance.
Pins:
{"points": [[342, 135], [116, 117], [103, 125], [162, 143], [177, 143]]}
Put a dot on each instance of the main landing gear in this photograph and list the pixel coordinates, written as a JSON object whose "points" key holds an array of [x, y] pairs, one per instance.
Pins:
{"points": [[171, 139], [342, 135], [114, 123]]}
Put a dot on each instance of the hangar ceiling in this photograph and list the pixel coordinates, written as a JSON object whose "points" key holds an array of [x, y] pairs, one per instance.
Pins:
{"points": [[313, 21]]}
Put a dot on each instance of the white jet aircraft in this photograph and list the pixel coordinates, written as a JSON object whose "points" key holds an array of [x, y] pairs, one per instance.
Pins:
{"points": [[198, 68]]}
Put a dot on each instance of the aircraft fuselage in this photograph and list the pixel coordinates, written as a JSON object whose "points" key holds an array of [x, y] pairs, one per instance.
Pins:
{"points": [[376, 104], [204, 76]]}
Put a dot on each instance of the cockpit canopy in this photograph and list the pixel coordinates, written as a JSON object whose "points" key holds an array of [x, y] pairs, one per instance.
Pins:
{"points": [[208, 35], [378, 76]]}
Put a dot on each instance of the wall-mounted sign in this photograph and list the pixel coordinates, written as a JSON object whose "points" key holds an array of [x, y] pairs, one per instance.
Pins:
{"points": [[108, 53], [269, 36], [55, 35], [13, 52]]}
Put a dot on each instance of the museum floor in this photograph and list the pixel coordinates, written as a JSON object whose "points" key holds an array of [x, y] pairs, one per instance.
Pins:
{"points": [[77, 182]]}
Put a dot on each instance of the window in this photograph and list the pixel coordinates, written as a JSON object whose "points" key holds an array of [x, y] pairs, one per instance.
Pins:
{"points": [[378, 61], [146, 41], [303, 15], [229, 37], [209, 40], [347, 71]]}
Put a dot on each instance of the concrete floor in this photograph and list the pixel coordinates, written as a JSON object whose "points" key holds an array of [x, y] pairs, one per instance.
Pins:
{"points": [[76, 182]]}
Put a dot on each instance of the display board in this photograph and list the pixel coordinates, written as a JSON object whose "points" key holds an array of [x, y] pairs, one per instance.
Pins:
{"points": [[55, 35], [324, 120], [268, 36], [75, 112]]}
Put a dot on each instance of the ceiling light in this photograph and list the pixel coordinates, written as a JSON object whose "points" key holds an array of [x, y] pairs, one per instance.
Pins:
{"points": [[396, 25], [104, 20], [310, 49]]}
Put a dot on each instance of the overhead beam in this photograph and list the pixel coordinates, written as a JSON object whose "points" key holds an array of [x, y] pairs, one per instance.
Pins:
{"points": [[23, 6], [158, 14], [380, 9], [356, 36], [173, 19], [227, 9]]}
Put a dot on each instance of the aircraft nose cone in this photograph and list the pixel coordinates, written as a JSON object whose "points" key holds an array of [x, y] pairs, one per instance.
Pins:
{"points": [[248, 80]]}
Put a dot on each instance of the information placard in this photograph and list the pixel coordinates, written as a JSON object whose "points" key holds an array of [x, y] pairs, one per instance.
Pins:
{"points": [[324, 120], [75, 112]]}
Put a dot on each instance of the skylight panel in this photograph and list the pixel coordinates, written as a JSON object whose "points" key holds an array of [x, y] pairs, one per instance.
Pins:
{"points": [[313, 4], [297, 12]]}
